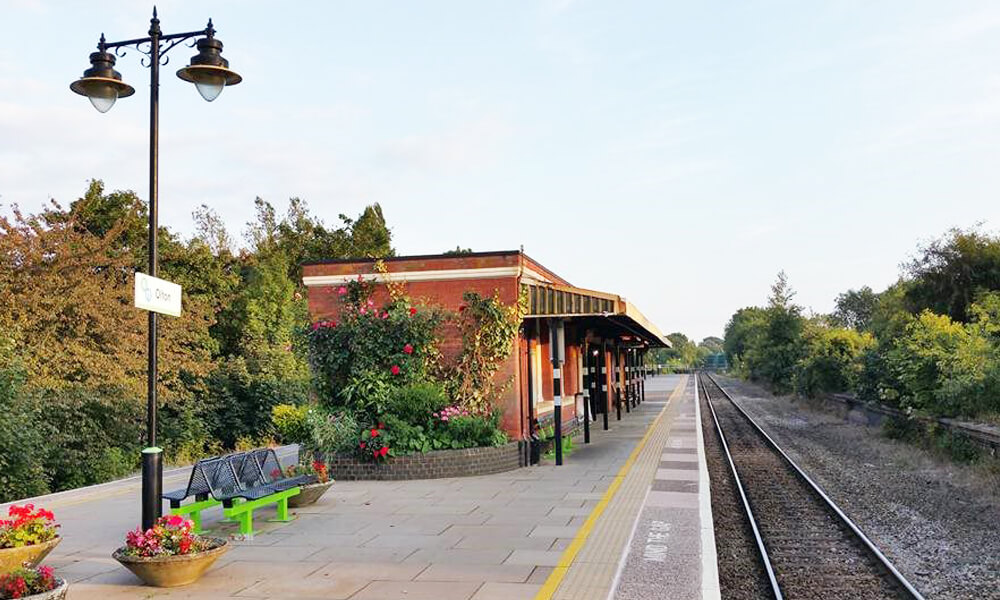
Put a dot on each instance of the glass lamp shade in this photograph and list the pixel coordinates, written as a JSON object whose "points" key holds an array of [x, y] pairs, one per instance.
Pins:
{"points": [[102, 91], [209, 79], [102, 97], [210, 85]]}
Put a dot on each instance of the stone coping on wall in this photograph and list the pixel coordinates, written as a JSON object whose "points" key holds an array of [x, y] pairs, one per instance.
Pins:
{"points": [[465, 462]]}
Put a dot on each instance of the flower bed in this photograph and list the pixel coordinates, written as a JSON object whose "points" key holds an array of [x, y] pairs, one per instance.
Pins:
{"points": [[465, 462]]}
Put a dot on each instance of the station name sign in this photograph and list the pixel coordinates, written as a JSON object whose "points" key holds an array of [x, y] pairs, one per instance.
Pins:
{"points": [[157, 295]]}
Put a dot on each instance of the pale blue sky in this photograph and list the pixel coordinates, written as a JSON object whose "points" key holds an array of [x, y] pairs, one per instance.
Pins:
{"points": [[677, 153]]}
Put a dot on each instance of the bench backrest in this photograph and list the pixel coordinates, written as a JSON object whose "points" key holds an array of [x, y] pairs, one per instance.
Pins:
{"points": [[220, 475], [268, 464], [248, 473], [198, 482]]}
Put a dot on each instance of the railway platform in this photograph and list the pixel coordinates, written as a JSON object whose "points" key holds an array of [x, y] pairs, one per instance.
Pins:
{"points": [[652, 535]]}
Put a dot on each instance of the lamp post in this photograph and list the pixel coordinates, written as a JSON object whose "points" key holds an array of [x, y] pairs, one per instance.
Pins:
{"points": [[103, 86]]}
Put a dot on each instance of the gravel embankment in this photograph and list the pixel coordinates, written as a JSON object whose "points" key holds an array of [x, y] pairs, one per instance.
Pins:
{"points": [[938, 522]]}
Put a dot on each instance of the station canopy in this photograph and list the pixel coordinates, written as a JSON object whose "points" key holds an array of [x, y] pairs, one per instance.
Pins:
{"points": [[609, 314]]}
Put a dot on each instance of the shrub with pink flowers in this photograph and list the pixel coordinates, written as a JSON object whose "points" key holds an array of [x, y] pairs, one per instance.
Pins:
{"points": [[23, 582], [27, 526], [369, 349], [169, 536], [379, 364]]}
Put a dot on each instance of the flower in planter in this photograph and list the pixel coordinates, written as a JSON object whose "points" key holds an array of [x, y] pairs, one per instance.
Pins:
{"points": [[23, 582], [413, 311], [316, 467], [374, 433], [342, 290], [395, 370], [169, 536], [27, 526], [408, 349]]}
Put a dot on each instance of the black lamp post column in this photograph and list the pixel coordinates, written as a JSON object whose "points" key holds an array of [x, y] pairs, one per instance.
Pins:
{"points": [[103, 86], [152, 456]]}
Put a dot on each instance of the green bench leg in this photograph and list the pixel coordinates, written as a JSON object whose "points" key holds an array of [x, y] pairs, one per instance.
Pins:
{"points": [[282, 507], [226, 519]]}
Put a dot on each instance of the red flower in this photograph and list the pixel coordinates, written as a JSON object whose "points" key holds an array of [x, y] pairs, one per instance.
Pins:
{"points": [[315, 326], [362, 445], [185, 545], [461, 308], [413, 311], [408, 349], [395, 369], [375, 453], [384, 450], [374, 432], [381, 425]]}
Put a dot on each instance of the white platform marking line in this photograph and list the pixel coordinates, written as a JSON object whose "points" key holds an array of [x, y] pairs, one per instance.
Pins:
{"points": [[709, 559]]}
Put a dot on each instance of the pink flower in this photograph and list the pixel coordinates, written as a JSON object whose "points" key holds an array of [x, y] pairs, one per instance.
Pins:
{"points": [[315, 326], [371, 302], [341, 291], [394, 369], [444, 418], [408, 349], [385, 315]]}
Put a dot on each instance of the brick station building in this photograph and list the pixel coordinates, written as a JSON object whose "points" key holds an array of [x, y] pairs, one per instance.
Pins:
{"points": [[601, 336]]}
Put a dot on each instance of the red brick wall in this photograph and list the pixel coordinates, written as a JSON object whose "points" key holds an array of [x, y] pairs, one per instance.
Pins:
{"points": [[324, 303]]}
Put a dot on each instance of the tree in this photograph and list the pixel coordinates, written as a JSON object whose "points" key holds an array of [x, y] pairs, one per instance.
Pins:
{"points": [[855, 308], [831, 359], [950, 272], [712, 344], [741, 330], [776, 353]]}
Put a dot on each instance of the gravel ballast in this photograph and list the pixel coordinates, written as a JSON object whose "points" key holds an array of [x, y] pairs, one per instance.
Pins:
{"points": [[938, 522]]}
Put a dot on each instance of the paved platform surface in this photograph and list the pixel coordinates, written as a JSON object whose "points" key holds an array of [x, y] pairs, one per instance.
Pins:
{"points": [[493, 537], [672, 550], [652, 538]]}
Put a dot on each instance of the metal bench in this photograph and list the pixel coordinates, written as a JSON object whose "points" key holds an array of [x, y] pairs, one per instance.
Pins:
{"points": [[240, 484]]}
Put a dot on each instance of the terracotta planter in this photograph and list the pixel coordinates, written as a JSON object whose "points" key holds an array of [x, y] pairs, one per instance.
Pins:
{"points": [[172, 571], [12, 558], [309, 494], [57, 594]]}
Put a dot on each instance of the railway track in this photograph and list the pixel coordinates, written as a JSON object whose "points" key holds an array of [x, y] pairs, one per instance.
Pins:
{"points": [[807, 546]]}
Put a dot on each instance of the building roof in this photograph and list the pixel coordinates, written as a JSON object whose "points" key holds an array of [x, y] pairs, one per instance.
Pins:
{"points": [[549, 295]]}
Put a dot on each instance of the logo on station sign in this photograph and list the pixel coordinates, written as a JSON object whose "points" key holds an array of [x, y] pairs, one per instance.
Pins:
{"points": [[157, 295]]}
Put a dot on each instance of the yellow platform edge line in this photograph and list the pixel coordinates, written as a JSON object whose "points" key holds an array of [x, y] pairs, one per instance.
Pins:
{"points": [[569, 554]]}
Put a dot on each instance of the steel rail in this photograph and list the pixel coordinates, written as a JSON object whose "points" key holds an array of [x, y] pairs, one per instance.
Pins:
{"points": [[882, 558], [761, 547]]}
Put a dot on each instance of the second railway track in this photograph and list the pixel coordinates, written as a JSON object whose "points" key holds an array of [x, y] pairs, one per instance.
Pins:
{"points": [[808, 545]]}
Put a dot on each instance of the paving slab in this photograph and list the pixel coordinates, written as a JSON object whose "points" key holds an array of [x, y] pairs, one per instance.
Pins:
{"points": [[496, 536]]}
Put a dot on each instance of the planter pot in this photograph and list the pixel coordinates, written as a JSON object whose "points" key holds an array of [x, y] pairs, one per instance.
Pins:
{"points": [[309, 494], [57, 594], [12, 558], [172, 571]]}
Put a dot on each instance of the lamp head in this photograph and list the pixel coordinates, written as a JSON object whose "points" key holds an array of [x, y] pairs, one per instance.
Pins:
{"points": [[101, 83], [208, 71]]}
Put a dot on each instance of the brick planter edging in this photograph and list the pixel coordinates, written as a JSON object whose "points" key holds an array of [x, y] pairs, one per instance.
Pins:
{"points": [[465, 462]]}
